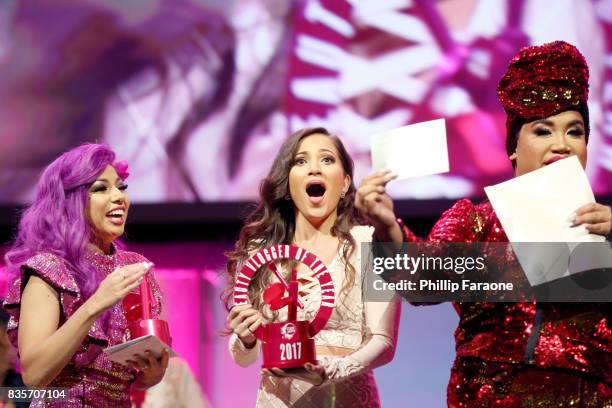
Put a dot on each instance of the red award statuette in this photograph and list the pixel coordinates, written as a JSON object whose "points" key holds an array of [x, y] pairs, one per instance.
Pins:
{"points": [[137, 308], [287, 344], [138, 313]]}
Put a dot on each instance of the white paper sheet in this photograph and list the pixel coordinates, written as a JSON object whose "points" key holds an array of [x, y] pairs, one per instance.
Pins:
{"points": [[536, 208], [415, 150], [126, 351]]}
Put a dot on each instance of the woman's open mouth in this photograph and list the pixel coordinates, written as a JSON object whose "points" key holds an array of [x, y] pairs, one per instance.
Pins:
{"points": [[116, 216], [315, 191]]}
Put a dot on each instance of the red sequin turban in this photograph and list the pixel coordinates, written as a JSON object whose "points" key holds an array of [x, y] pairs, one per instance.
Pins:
{"points": [[542, 81]]}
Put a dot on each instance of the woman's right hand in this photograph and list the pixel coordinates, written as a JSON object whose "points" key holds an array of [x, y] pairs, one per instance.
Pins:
{"points": [[244, 320], [377, 207], [117, 284]]}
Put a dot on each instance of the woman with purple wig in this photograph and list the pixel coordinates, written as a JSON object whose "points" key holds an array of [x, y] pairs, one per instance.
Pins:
{"points": [[68, 278]]}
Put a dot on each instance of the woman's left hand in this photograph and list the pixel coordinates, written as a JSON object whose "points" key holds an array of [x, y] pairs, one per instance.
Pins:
{"points": [[314, 374], [151, 370], [597, 218]]}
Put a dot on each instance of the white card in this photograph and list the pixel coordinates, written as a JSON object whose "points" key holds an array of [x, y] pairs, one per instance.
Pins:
{"points": [[125, 351], [536, 208], [415, 150]]}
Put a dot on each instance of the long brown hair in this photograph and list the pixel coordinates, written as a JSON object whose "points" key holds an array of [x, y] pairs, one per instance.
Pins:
{"points": [[273, 221]]}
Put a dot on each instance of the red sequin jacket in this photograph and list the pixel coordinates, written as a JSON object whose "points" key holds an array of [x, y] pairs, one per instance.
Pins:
{"points": [[571, 336]]}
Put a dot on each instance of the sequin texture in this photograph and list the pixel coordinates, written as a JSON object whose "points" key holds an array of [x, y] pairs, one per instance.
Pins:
{"points": [[92, 378], [572, 355], [544, 80]]}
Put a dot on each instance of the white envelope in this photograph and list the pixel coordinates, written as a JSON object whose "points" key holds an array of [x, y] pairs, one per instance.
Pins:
{"points": [[126, 351], [415, 150], [536, 208]]}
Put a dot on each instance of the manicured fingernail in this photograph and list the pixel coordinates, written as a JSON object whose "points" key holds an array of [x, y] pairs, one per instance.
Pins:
{"points": [[573, 218]]}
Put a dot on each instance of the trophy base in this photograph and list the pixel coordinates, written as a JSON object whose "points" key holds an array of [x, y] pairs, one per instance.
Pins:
{"points": [[287, 345], [156, 327]]}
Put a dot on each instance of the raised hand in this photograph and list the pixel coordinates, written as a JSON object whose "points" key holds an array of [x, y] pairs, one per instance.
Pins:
{"points": [[118, 284], [377, 207]]}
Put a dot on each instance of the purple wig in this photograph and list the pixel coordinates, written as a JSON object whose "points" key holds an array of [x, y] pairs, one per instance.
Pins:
{"points": [[56, 220]]}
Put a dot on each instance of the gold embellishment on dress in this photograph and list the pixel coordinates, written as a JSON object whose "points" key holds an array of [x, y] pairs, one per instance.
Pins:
{"points": [[477, 223], [549, 95], [528, 102], [567, 94]]}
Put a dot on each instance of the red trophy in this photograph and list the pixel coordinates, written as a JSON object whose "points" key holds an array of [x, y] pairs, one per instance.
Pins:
{"points": [[143, 330], [287, 344], [138, 313]]}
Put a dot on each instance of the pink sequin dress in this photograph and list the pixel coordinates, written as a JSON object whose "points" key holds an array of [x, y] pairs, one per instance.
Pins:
{"points": [[523, 354], [92, 379]]}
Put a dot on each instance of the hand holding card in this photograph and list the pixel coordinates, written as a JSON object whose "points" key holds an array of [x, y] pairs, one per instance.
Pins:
{"points": [[147, 333], [123, 352], [535, 211], [410, 151]]}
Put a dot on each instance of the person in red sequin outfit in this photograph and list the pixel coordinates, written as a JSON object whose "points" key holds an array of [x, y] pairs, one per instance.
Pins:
{"points": [[523, 354]]}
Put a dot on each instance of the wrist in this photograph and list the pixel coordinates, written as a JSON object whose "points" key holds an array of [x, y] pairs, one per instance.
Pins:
{"points": [[390, 233], [396, 233], [248, 343], [92, 309]]}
